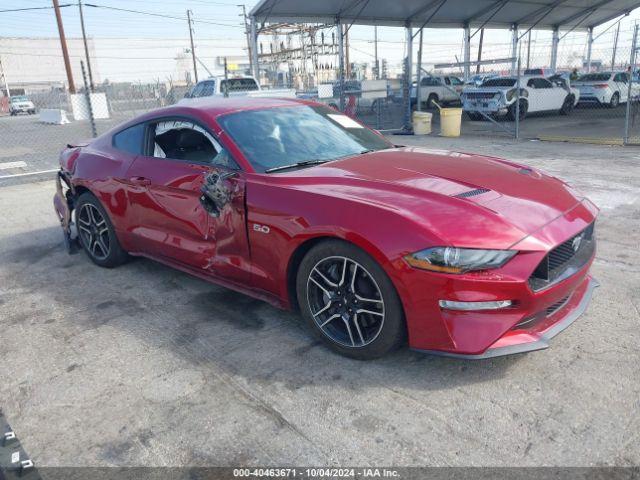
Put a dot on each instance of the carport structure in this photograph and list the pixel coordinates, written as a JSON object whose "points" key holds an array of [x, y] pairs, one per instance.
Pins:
{"points": [[520, 16]]}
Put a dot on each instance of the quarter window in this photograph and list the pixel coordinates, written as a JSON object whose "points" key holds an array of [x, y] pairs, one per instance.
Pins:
{"points": [[130, 140]]}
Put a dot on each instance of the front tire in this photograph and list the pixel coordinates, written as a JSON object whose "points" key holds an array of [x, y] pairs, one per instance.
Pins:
{"points": [[349, 302], [96, 233]]}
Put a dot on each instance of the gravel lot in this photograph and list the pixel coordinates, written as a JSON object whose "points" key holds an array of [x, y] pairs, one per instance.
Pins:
{"points": [[144, 365]]}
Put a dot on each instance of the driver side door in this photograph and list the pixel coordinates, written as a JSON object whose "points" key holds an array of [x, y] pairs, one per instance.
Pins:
{"points": [[172, 218]]}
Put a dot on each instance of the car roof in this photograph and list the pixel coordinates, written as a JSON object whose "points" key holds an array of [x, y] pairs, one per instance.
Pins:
{"points": [[217, 106]]}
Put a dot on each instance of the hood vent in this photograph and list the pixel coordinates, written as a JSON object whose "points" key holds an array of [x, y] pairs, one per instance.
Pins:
{"points": [[472, 193]]}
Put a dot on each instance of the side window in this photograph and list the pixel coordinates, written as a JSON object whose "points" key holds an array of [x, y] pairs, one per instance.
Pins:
{"points": [[539, 83], [455, 81], [188, 141], [447, 81], [208, 88], [543, 83], [197, 90], [130, 140], [620, 77]]}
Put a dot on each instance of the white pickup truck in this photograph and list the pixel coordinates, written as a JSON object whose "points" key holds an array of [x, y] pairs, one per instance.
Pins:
{"points": [[232, 87], [440, 89]]}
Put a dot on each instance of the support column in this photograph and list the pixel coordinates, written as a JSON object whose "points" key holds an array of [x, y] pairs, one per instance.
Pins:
{"points": [[514, 48], [254, 49], [554, 49], [408, 77], [589, 46], [340, 62], [467, 52]]}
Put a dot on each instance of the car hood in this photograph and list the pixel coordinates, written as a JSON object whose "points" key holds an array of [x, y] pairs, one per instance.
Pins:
{"points": [[486, 89], [458, 197]]}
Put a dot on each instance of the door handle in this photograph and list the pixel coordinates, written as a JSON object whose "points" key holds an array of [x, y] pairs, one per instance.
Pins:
{"points": [[140, 181]]}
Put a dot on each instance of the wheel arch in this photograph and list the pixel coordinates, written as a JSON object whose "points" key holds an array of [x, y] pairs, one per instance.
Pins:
{"points": [[303, 248]]}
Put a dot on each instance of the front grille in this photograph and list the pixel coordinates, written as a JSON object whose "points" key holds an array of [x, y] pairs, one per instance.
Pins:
{"points": [[564, 260], [472, 193], [480, 95]]}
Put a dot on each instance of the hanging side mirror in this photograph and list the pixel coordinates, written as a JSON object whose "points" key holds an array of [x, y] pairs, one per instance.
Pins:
{"points": [[215, 192]]}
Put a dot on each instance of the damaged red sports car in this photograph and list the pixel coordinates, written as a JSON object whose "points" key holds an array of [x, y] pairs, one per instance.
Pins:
{"points": [[376, 245]]}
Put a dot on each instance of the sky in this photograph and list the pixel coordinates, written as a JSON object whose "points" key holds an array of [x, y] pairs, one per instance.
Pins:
{"points": [[132, 46]]}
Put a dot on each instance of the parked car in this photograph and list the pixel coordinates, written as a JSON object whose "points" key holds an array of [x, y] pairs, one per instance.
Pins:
{"points": [[294, 203], [540, 72], [498, 96], [21, 104], [606, 88], [233, 87], [563, 80], [441, 89]]}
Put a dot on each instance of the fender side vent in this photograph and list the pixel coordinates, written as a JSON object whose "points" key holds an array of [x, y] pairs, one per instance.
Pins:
{"points": [[472, 193]]}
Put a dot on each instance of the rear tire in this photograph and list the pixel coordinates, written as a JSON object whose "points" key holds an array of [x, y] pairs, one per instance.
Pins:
{"points": [[523, 110], [349, 302], [567, 105], [97, 234], [431, 101], [615, 100]]}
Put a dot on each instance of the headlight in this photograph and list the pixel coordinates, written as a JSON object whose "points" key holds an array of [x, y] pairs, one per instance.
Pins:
{"points": [[458, 260]]}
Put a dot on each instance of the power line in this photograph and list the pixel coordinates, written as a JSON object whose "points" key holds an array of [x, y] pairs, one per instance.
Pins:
{"points": [[33, 8], [140, 12]]}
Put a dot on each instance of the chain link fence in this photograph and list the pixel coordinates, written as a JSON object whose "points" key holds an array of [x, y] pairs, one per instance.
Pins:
{"points": [[577, 101]]}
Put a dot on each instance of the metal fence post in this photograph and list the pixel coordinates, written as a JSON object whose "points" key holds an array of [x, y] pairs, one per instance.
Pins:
{"points": [[87, 96], [517, 131], [632, 65], [340, 63], [226, 79]]}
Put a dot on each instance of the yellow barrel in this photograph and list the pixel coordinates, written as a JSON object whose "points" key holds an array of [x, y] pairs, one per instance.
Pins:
{"points": [[421, 123], [450, 121]]}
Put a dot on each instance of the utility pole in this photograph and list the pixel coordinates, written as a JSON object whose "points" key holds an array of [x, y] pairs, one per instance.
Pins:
{"points": [[615, 47], [247, 32], [63, 44], [86, 47], [375, 51], [528, 48], [346, 51], [4, 78], [193, 50], [480, 50]]}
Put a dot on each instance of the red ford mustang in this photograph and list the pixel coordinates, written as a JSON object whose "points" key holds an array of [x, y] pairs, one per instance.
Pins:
{"points": [[294, 203]]}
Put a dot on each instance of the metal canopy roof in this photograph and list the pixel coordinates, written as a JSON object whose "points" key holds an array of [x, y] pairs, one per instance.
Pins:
{"points": [[543, 14]]}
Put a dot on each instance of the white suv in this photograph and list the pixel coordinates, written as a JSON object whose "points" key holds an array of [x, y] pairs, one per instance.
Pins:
{"points": [[21, 104], [606, 88]]}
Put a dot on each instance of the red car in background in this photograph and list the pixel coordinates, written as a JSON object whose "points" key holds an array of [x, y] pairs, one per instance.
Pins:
{"points": [[294, 203]]}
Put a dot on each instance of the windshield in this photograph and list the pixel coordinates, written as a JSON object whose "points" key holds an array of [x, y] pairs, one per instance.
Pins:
{"points": [[594, 77], [19, 98], [281, 136], [499, 82]]}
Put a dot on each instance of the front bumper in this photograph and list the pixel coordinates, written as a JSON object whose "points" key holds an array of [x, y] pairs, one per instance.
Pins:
{"points": [[537, 313], [521, 341], [487, 106]]}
